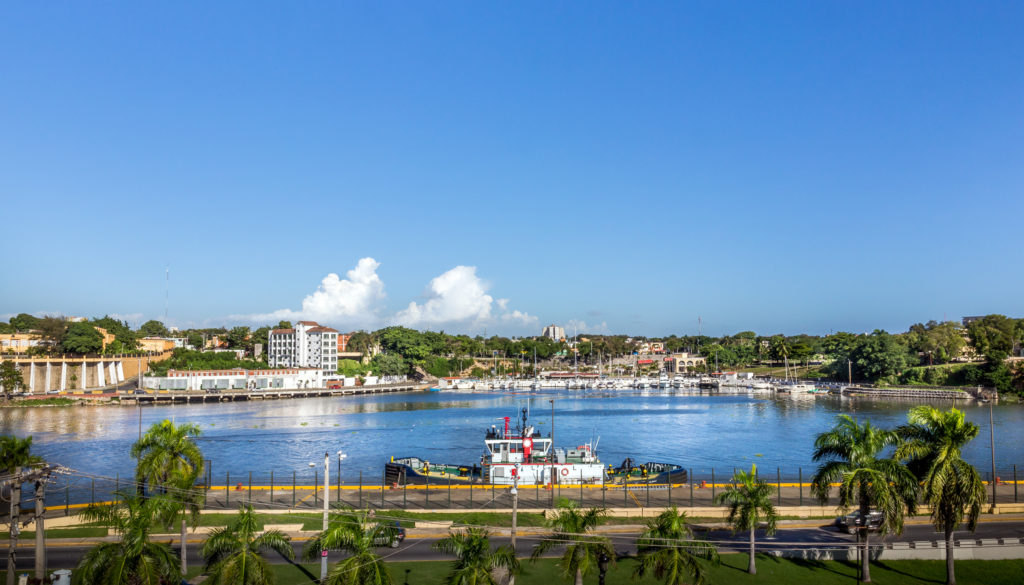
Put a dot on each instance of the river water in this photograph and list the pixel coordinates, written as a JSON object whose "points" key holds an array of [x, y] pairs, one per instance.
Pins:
{"points": [[699, 431]]}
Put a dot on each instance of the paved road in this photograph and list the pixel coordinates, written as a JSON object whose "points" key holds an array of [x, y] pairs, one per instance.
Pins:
{"points": [[66, 554]]}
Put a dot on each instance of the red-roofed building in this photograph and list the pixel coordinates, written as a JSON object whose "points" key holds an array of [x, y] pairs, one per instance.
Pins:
{"points": [[307, 345]]}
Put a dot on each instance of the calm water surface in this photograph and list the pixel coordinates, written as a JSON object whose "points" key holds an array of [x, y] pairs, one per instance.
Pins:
{"points": [[698, 431]]}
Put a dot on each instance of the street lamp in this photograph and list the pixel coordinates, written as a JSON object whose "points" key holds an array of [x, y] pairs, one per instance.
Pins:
{"points": [[602, 567], [327, 499]]}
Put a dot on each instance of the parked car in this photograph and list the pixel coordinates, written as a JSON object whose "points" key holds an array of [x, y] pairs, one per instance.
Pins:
{"points": [[397, 536], [853, 521]]}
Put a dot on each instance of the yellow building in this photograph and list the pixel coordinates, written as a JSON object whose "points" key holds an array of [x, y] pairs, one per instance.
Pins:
{"points": [[18, 342], [156, 344]]}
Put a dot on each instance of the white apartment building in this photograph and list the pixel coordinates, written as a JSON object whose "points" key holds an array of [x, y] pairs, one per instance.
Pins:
{"points": [[554, 332], [307, 345]]}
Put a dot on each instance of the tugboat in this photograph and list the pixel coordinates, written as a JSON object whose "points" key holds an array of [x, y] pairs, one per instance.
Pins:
{"points": [[650, 472], [523, 453]]}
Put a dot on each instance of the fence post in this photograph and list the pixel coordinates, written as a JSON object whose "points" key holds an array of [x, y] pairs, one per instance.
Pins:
{"points": [[581, 488], [250, 487], [227, 489], [690, 477], [778, 483], [339, 482], [625, 489], [271, 486], [67, 497], [670, 489], [293, 488], [712, 484], [648, 503], [1015, 484], [117, 480], [800, 471], [449, 491], [92, 497], [360, 489], [316, 487], [426, 490]]}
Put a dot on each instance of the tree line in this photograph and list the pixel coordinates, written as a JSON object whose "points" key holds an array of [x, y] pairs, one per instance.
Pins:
{"points": [[942, 354]]}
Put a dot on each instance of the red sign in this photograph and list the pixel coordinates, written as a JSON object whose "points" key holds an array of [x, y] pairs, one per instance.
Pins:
{"points": [[645, 361]]}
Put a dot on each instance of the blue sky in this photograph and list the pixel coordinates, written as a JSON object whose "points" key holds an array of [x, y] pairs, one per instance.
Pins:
{"points": [[781, 167]]}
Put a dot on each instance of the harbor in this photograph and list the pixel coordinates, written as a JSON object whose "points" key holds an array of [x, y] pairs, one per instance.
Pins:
{"points": [[708, 433]]}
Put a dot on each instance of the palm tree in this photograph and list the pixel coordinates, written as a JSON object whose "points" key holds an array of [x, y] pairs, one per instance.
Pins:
{"points": [[357, 533], [477, 563], [133, 560], [932, 442], [851, 455], [169, 459], [167, 449], [750, 503], [233, 552], [15, 454], [668, 549], [573, 529]]}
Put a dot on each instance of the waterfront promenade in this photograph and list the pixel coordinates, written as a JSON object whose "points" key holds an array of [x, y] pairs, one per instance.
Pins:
{"points": [[792, 498]]}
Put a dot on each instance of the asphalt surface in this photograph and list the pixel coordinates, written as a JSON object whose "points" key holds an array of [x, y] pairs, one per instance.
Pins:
{"points": [[65, 553]]}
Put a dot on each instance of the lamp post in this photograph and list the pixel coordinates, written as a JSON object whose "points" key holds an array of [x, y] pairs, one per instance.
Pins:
{"points": [[602, 567], [992, 444], [515, 509], [552, 448]]}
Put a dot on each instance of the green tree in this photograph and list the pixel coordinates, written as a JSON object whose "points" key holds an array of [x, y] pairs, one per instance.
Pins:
{"points": [[52, 330], [932, 442], [82, 338], [10, 378], [358, 534], [239, 338], [24, 322], [170, 461], [153, 328], [284, 325], [851, 456], [233, 553], [668, 549], [123, 334], [573, 530], [477, 563], [993, 336], [389, 364], [750, 503], [133, 559], [166, 450]]}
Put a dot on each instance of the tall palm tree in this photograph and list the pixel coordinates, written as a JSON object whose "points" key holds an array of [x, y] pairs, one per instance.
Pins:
{"points": [[357, 533], [750, 503], [233, 552], [15, 454], [169, 460], [167, 449], [477, 563], [573, 530], [932, 442], [132, 560], [852, 456], [668, 549]]}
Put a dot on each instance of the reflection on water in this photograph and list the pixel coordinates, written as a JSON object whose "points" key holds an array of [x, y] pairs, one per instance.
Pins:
{"points": [[697, 430]]}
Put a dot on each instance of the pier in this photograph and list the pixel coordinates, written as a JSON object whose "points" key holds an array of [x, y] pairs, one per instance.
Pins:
{"points": [[190, 396]]}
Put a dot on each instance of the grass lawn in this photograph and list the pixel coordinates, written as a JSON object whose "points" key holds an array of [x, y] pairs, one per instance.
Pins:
{"points": [[72, 532], [732, 570]]}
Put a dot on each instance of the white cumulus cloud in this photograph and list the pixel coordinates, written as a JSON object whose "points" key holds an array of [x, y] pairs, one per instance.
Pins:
{"points": [[352, 302], [457, 299], [457, 296]]}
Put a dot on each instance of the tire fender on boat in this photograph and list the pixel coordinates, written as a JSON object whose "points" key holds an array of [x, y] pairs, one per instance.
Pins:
{"points": [[565, 471]]}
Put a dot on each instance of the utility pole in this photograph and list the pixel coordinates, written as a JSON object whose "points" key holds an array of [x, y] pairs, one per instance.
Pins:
{"points": [[327, 498], [992, 443], [515, 510], [40, 493], [19, 477]]}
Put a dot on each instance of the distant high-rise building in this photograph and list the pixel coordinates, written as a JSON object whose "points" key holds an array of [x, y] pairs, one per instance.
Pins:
{"points": [[307, 345], [554, 332]]}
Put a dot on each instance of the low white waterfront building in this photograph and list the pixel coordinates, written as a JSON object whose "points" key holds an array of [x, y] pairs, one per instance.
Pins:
{"points": [[237, 379]]}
